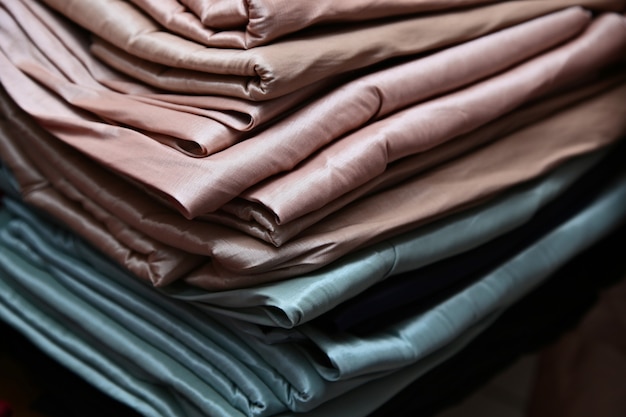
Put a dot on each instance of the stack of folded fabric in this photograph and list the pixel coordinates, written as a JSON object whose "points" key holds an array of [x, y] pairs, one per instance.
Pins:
{"points": [[278, 208]]}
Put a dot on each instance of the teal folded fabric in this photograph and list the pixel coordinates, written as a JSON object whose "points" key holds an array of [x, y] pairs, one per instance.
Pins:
{"points": [[292, 302], [203, 366], [131, 324]]}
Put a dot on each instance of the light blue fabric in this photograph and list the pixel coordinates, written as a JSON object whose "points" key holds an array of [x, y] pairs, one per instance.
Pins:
{"points": [[159, 338], [295, 301], [90, 334]]}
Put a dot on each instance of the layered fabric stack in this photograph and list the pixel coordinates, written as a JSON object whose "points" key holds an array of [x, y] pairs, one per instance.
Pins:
{"points": [[223, 208]]}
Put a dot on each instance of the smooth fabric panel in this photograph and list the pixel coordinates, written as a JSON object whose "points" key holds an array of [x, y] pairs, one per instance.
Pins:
{"points": [[351, 355], [490, 295], [287, 65], [525, 328], [255, 219]]}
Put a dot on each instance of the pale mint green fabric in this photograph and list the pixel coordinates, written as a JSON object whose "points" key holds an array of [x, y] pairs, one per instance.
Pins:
{"points": [[156, 339], [292, 302], [73, 311]]}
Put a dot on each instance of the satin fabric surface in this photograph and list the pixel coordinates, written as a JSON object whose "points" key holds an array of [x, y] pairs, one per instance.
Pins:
{"points": [[416, 290], [55, 54], [257, 221], [212, 369], [295, 301], [245, 24], [247, 163], [579, 129], [464, 314], [287, 65]]}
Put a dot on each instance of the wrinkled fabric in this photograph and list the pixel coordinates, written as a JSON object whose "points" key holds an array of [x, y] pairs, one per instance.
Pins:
{"points": [[416, 290], [345, 357], [528, 326], [55, 55], [199, 186], [209, 368], [244, 24], [255, 220], [298, 300], [340, 166], [174, 63], [239, 261]]}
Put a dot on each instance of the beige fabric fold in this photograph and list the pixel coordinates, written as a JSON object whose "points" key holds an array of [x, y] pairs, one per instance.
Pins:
{"points": [[175, 63], [246, 24], [235, 260]]}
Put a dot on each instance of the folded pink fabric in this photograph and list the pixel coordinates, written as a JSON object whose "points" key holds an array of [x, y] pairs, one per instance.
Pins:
{"points": [[173, 62], [357, 158], [246, 24], [129, 226], [51, 53], [255, 220], [199, 186]]}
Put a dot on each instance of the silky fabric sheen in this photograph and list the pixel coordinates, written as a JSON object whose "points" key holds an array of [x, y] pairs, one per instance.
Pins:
{"points": [[255, 220], [132, 325], [220, 23], [54, 54], [347, 355], [298, 300], [286, 65], [577, 130], [526, 327], [491, 295], [247, 163], [415, 290]]}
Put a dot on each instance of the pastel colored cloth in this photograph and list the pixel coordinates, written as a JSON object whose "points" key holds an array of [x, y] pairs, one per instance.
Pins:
{"points": [[295, 301], [246, 24], [207, 368], [525, 328], [172, 62], [198, 186], [52, 287], [54, 53], [415, 290], [237, 260]]}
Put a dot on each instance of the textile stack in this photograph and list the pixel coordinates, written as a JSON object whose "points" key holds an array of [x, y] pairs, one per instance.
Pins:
{"points": [[280, 208]]}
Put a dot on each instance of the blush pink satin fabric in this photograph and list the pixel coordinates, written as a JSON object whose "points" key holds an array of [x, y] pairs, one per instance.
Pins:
{"points": [[56, 55], [339, 167], [246, 24], [199, 186], [264, 72], [255, 220], [129, 225]]}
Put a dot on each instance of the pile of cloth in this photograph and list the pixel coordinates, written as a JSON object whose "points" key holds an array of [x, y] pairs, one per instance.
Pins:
{"points": [[277, 208]]}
